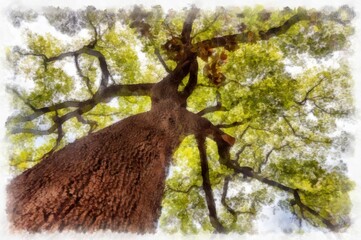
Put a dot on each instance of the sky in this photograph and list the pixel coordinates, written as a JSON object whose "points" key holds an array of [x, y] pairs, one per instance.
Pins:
{"points": [[10, 36]]}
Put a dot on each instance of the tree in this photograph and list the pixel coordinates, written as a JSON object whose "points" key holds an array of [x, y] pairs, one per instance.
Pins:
{"points": [[213, 91]]}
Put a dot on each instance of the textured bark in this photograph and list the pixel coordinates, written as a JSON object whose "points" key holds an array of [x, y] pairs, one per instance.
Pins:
{"points": [[111, 179], [114, 179]]}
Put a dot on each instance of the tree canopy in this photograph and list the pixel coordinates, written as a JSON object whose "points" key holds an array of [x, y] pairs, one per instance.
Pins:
{"points": [[277, 80]]}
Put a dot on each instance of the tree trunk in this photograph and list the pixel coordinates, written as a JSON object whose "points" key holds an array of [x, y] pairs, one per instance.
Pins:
{"points": [[112, 179]]}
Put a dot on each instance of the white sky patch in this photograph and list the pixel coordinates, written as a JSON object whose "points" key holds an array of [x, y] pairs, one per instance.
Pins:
{"points": [[141, 56], [69, 67], [10, 36], [114, 103], [39, 141], [272, 215], [310, 62], [70, 137], [243, 186], [41, 26], [311, 117]]}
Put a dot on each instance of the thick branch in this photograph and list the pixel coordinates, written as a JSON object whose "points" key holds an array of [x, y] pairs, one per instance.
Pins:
{"points": [[300, 16], [249, 172], [104, 96], [187, 62], [142, 89], [58, 121], [193, 79], [58, 139], [249, 37], [302, 206], [187, 25], [224, 158], [180, 71], [207, 187], [102, 63], [82, 107], [40, 111], [224, 196]]}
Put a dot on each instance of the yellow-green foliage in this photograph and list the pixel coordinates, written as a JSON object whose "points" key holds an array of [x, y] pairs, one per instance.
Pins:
{"points": [[287, 119]]}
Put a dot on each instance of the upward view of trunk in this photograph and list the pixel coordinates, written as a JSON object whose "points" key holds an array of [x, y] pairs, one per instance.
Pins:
{"points": [[112, 179], [115, 178]]}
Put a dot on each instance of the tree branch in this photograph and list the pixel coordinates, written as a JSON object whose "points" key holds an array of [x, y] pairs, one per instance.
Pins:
{"points": [[224, 203], [40, 111], [230, 125], [92, 124], [249, 172], [187, 25], [80, 73], [95, 40], [161, 60], [58, 139], [315, 213], [108, 93], [300, 135], [250, 37], [238, 154], [182, 191], [193, 79], [141, 89], [82, 107], [244, 132], [218, 106], [303, 101], [103, 94], [224, 196], [266, 159], [212, 109], [84, 50], [103, 66], [208, 26], [207, 187], [21, 97], [181, 70], [34, 131], [275, 31], [329, 112]]}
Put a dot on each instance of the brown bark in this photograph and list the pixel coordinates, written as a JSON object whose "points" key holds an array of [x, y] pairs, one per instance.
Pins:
{"points": [[114, 178], [111, 179]]}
